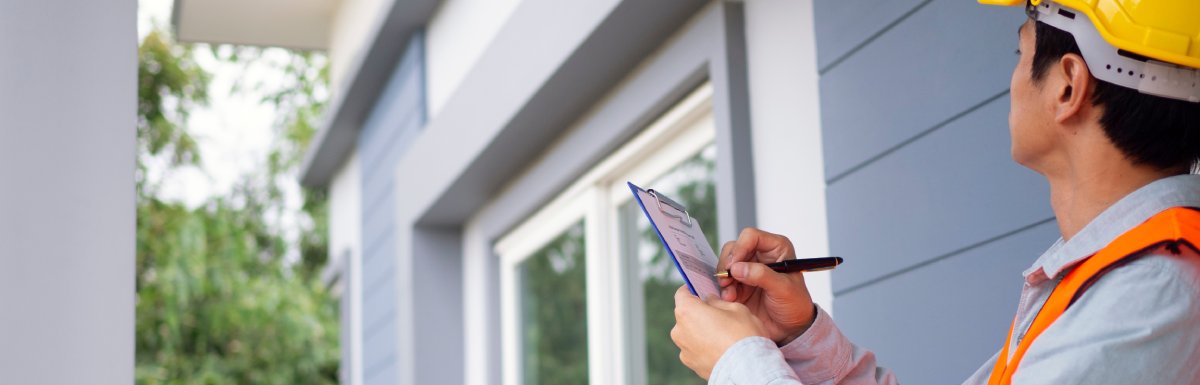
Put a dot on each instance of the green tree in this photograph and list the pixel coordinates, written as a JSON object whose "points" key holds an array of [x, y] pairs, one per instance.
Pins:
{"points": [[217, 301]]}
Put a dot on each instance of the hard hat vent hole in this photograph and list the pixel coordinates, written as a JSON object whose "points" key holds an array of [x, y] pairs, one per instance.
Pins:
{"points": [[1118, 69], [1066, 14]]}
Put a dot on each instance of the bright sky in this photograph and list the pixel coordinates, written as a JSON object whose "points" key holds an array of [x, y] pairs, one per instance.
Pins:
{"points": [[234, 132]]}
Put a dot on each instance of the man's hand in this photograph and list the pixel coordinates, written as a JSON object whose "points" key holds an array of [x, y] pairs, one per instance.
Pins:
{"points": [[704, 330], [781, 301]]}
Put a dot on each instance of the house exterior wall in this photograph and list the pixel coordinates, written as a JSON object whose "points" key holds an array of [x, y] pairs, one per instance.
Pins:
{"points": [[456, 36], [934, 218], [396, 118], [850, 132], [68, 102]]}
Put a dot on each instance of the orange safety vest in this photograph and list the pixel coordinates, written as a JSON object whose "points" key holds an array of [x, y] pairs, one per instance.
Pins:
{"points": [[1172, 228]]}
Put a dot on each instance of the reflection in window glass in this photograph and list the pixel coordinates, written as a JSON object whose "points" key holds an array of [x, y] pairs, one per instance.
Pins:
{"points": [[692, 183], [554, 311]]}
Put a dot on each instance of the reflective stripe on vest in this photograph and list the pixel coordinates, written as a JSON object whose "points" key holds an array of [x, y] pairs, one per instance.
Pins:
{"points": [[1172, 228]]}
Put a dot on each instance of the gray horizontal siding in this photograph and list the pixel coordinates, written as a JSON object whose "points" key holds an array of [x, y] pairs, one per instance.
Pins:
{"points": [[847, 24], [953, 188], [938, 324], [934, 218], [392, 125], [945, 58]]}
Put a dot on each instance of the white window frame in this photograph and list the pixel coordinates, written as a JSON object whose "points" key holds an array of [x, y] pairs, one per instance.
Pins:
{"points": [[613, 297]]}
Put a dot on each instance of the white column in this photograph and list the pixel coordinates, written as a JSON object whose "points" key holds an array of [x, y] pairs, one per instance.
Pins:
{"points": [[68, 71], [785, 108]]}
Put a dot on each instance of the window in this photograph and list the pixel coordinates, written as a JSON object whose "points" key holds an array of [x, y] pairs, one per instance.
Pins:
{"points": [[587, 292], [691, 183], [553, 304]]}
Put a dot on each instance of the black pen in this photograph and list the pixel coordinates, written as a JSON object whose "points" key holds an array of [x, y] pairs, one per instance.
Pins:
{"points": [[793, 265]]}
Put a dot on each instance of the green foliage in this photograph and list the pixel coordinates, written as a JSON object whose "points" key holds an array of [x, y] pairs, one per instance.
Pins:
{"points": [[217, 301], [554, 311], [170, 84]]}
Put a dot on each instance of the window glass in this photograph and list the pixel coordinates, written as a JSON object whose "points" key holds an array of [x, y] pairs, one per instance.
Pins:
{"points": [[554, 311], [691, 183]]}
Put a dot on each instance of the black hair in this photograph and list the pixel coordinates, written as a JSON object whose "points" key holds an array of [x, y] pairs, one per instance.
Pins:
{"points": [[1150, 130]]}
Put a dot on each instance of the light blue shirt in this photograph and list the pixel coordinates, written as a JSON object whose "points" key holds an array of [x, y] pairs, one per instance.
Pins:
{"points": [[1139, 324]]}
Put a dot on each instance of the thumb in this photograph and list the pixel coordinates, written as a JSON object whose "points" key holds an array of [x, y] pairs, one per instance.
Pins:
{"points": [[759, 275], [684, 296]]}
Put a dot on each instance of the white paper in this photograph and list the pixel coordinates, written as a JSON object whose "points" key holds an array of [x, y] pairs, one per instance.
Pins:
{"points": [[685, 241]]}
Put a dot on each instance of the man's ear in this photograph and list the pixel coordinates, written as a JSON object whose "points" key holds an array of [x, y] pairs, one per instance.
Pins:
{"points": [[1075, 87]]}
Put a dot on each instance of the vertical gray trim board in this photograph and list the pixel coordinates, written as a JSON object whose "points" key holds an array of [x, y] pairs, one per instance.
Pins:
{"points": [[731, 110], [394, 121], [68, 109], [437, 322]]}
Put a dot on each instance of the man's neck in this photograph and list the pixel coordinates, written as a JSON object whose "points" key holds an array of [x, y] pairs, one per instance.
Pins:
{"points": [[1079, 195]]}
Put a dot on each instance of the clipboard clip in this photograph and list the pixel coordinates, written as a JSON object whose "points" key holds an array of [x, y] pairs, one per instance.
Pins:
{"points": [[660, 200]]}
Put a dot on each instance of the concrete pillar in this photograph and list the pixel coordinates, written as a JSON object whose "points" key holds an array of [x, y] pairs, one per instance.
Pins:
{"points": [[68, 74]]}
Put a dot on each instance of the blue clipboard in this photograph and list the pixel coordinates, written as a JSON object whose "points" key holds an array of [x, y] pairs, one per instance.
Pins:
{"points": [[682, 237]]}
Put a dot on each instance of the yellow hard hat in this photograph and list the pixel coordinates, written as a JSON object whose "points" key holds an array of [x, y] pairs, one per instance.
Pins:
{"points": [[1130, 42]]}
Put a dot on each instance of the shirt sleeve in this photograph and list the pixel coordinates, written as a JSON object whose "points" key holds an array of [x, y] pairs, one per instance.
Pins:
{"points": [[1136, 325], [753, 361], [822, 355]]}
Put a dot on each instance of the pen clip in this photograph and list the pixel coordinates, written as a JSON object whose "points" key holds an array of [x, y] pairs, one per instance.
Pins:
{"points": [[660, 199]]}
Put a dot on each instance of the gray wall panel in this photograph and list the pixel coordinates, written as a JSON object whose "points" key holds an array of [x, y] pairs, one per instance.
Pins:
{"points": [[379, 301], [846, 24], [438, 337], [378, 231], [955, 187], [948, 56], [388, 131], [938, 324], [379, 360], [378, 270]]}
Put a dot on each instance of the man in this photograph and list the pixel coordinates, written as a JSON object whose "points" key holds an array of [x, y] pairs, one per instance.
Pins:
{"points": [[1105, 104]]}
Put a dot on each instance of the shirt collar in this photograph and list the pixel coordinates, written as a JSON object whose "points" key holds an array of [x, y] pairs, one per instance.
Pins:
{"points": [[1127, 213]]}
